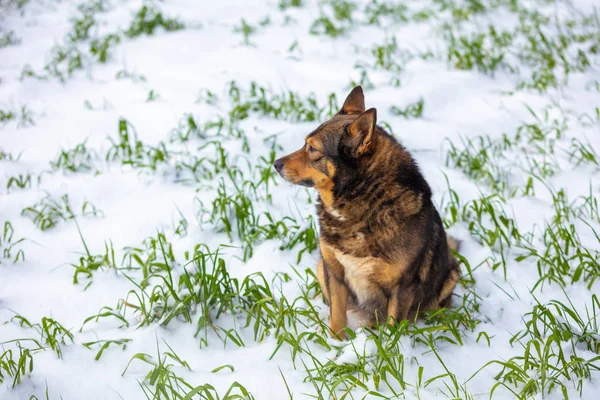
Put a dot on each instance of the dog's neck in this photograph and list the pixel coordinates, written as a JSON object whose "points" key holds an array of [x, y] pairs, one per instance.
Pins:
{"points": [[326, 195]]}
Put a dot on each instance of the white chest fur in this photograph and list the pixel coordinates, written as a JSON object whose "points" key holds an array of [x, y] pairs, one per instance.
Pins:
{"points": [[358, 274]]}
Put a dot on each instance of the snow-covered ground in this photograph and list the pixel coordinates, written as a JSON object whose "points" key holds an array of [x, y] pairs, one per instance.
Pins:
{"points": [[161, 253]]}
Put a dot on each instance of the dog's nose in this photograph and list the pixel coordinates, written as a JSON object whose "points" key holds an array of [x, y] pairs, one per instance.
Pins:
{"points": [[278, 164]]}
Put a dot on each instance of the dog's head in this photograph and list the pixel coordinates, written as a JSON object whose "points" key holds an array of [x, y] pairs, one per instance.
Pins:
{"points": [[336, 145]]}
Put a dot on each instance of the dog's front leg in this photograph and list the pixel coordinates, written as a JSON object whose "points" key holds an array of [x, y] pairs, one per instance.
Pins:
{"points": [[338, 293], [335, 290], [399, 303]]}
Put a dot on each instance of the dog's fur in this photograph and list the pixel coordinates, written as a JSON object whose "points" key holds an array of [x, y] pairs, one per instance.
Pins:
{"points": [[384, 251]]}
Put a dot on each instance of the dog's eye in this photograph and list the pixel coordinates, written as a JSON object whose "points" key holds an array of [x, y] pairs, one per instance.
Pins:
{"points": [[311, 149]]}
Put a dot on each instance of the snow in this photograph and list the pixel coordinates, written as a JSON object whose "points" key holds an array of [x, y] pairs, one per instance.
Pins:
{"points": [[207, 55]]}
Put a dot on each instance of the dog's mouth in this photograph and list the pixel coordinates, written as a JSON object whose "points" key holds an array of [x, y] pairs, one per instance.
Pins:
{"points": [[306, 183]]}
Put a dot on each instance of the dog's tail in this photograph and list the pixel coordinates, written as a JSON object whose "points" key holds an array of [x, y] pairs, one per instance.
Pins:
{"points": [[454, 243], [453, 273], [453, 246]]}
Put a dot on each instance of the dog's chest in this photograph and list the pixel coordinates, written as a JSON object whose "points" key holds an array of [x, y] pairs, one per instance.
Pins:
{"points": [[360, 274]]}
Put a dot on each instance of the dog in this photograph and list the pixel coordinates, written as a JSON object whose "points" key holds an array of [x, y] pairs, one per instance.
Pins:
{"points": [[384, 250]]}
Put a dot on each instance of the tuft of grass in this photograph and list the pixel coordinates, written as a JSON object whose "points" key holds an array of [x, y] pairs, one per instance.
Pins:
{"points": [[48, 212], [9, 244], [335, 18], [411, 111], [78, 159], [81, 27], [64, 61], [152, 95], [89, 263], [149, 19], [9, 39], [55, 335], [286, 4], [24, 116], [378, 10], [131, 75], [161, 382], [16, 366], [105, 344], [18, 181], [580, 153], [246, 30], [288, 106], [6, 116], [132, 151], [8, 156], [100, 47], [187, 129], [474, 51], [551, 357]]}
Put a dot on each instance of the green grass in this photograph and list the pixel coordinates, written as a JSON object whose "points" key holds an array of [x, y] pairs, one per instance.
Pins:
{"points": [[246, 30], [23, 116], [8, 156], [148, 19], [88, 263], [9, 39], [470, 52], [83, 46], [78, 159], [104, 345], [289, 106], [550, 359], [411, 111], [378, 10], [129, 150], [9, 244], [286, 4], [18, 182], [335, 19], [82, 25], [49, 211], [15, 365], [100, 47]]}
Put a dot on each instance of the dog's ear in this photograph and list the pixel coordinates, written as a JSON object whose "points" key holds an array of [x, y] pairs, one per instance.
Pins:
{"points": [[359, 134], [355, 102]]}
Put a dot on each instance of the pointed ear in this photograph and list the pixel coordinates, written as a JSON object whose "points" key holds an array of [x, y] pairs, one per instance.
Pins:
{"points": [[355, 102], [357, 139]]}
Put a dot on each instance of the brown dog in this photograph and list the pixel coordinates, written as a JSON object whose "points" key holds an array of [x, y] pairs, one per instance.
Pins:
{"points": [[384, 250]]}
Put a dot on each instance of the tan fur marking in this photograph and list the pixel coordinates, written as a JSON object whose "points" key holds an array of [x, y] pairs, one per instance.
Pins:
{"points": [[449, 284], [453, 243], [330, 169], [393, 307], [337, 292], [424, 269], [339, 307], [314, 143], [326, 194]]}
